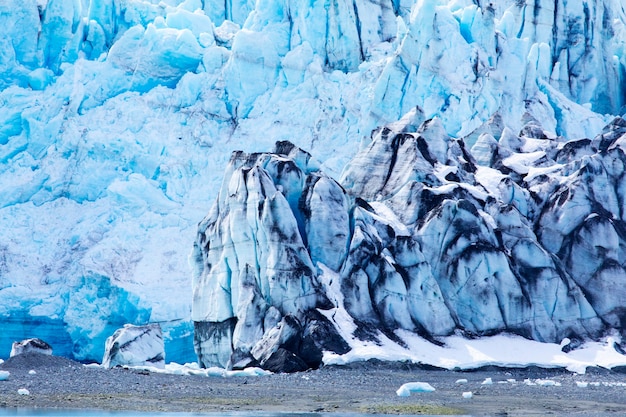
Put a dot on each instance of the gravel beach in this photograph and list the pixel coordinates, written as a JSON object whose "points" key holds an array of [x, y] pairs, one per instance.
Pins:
{"points": [[366, 387]]}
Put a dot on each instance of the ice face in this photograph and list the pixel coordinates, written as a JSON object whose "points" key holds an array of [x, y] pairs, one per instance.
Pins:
{"points": [[456, 247], [117, 119], [255, 286]]}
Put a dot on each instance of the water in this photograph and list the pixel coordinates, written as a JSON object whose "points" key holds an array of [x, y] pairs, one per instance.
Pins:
{"points": [[96, 413]]}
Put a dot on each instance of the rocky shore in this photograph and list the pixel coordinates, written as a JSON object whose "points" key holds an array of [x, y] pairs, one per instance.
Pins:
{"points": [[368, 387]]}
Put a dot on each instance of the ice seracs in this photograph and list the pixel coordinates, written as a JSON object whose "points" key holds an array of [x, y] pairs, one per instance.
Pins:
{"points": [[443, 244], [256, 289]]}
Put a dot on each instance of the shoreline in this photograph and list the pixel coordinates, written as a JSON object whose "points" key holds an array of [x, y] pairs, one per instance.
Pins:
{"points": [[362, 387]]}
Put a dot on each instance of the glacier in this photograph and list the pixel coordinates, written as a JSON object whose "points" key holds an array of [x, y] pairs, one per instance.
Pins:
{"points": [[118, 119]]}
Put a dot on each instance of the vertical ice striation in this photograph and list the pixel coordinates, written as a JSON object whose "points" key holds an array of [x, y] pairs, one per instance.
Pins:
{"points": [[252, 266], [499, 58]]}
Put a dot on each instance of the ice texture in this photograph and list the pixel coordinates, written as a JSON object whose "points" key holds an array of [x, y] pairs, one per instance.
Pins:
{"points": [[117, 119], [135, 346], [528, 244], [255, 284], [31, 345], [406, 389]]}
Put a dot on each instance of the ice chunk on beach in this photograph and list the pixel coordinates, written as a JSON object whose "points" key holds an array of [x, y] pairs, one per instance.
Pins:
{"points": [[467, 394], [23, 391], [542, 382], [406, 389], [547, 383], [582, 384], [4, 375], [135, 346], [461, 381], [194, 369], [31, 345], [487, 381]]}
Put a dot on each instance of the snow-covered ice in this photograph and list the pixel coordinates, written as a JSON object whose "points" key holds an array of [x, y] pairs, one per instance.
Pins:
{"points": [[502, 350]]}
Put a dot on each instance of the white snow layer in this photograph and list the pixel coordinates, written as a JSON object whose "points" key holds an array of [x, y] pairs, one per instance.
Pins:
{"points": [[456, 352], [117, 121]]}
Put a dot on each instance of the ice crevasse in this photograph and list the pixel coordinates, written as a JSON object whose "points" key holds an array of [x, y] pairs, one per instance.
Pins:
{"points": [[118, 117]]}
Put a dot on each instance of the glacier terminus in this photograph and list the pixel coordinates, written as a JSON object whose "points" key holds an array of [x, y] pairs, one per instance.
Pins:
{"points": [[277, 182]]}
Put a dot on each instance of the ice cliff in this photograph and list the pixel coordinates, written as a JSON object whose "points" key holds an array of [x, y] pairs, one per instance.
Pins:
{"points": [[117, 118], [524, 235]]}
